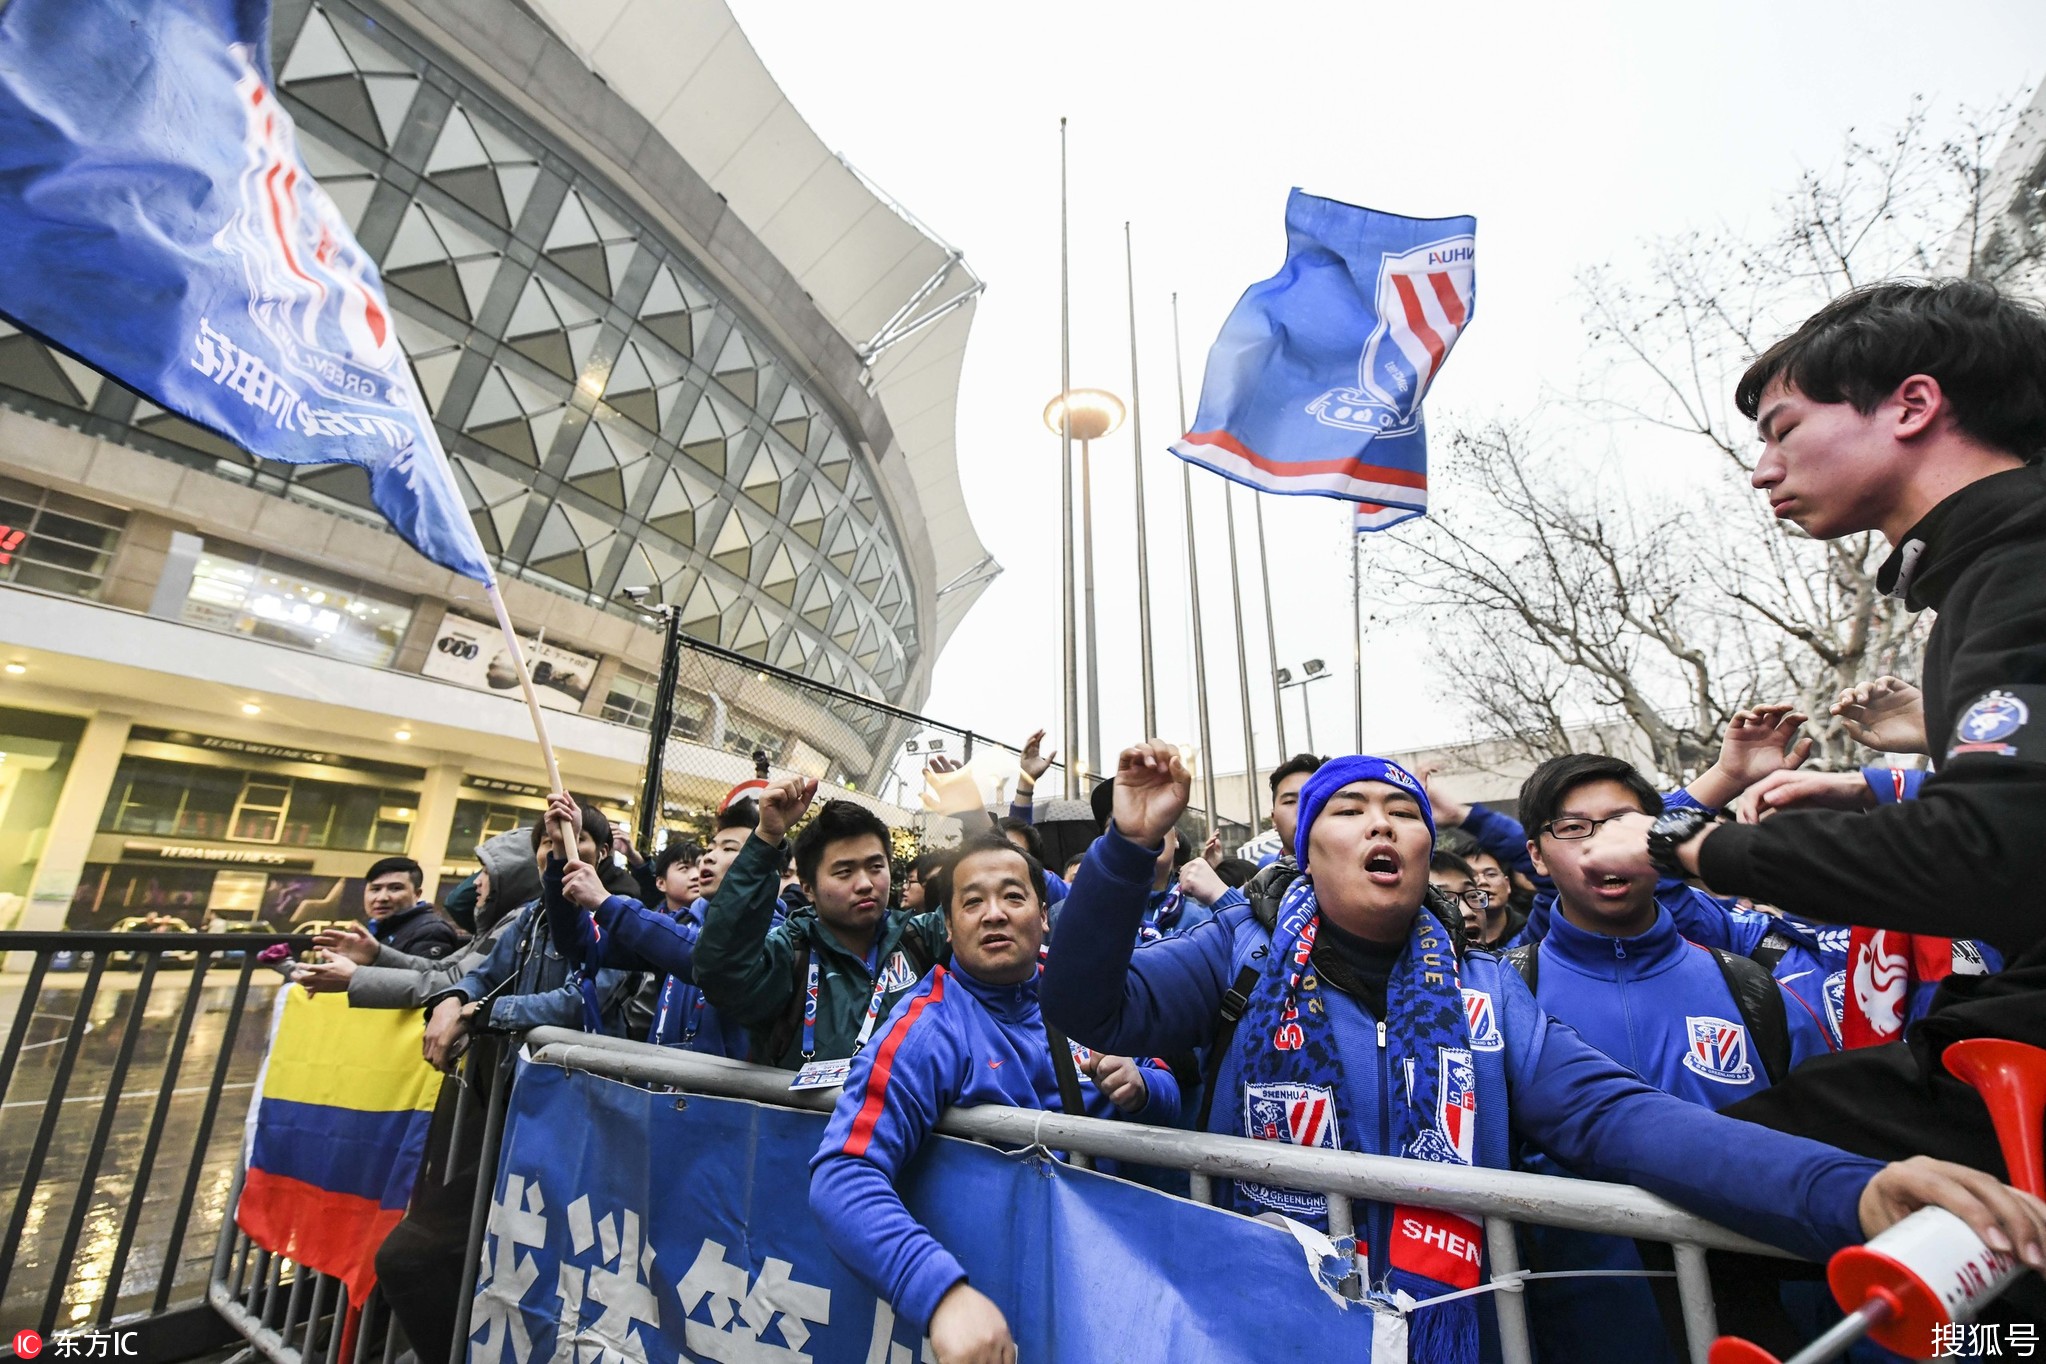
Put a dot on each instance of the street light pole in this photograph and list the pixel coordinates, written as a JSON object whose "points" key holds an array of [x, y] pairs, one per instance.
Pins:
{"points": [[1264, 573], [1137, 463], [1313, 670], [1086, 415], [1071, 724], [1193, 584]]}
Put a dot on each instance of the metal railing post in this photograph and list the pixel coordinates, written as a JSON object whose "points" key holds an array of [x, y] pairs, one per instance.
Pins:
{"points": [[1509, 1300], [1694, 1291], [486, 1192]]}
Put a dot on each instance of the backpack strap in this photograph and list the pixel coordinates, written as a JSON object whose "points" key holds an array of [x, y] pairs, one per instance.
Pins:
{"points": [[1760, 1001], [1526, 959], [791, 1019], [1068, 1074], [1771, 950], [1226, 1018], [920, 953]]}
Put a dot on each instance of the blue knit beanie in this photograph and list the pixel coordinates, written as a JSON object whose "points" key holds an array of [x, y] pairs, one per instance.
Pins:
{"points": [[1333, 775]]}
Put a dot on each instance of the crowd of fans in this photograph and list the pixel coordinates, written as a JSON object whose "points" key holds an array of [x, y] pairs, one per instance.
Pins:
{"points": [[1733, 993]]}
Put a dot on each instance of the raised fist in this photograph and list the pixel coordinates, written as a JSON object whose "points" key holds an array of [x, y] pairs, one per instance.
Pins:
{"points": [[783, 805], [1152, 787]]}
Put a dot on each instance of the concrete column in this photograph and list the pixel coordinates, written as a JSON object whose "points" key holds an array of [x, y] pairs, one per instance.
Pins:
{"points": [[434, 821], [75, 820]]}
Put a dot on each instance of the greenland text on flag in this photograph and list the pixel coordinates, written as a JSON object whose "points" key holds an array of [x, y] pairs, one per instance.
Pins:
{"points": [[1314, 385]]}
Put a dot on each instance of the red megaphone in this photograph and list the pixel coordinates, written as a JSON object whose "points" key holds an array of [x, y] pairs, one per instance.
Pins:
{"points": [[1929, 1270]]}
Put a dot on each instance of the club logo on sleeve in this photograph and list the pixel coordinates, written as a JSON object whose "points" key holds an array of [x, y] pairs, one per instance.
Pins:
{"points": [[1985, 725], [1718, 1050], [1300, 1115], [1483, 1018]]}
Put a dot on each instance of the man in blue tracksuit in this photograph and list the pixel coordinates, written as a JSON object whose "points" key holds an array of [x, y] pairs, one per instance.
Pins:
{"points": [[968, 1034], [587, 920], [1615, 967], [1359, 1030]]}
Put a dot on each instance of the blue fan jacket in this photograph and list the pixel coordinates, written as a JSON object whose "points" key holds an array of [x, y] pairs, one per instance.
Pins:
{"points": [[953, 1041], [1563, 1096], [622, 932]]}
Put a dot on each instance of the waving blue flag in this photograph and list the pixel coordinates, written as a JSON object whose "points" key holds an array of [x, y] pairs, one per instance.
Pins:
{"points": [[1314, 387], [157, 222]]}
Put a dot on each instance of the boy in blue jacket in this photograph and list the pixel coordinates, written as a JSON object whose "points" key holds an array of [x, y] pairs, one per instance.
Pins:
{"points": [[1360, 1030], [970, 1034]]}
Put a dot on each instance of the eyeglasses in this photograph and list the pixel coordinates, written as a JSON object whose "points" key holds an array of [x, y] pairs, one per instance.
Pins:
{"points": [[1475, 898], [1570, 828]]}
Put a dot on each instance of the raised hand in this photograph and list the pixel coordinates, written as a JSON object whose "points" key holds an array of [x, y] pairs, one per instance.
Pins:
{"points": [[583, 887], [2005, 1219], [1884, 713], [326, 977], [783, 805], [1757, 742], [1034, 763], [1121, 1081], [351, 941], [565, 822], [1198, 879], [1805, 790], [1152, 787], [941, 764], [1450, 813], [1211, 851]]}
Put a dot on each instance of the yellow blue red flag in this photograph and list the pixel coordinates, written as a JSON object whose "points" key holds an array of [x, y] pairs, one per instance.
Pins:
{"points": [[337, 1135]]}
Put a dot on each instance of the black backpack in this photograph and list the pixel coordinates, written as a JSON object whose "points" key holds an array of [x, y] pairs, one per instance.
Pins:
{"points": [[1755, 993]]}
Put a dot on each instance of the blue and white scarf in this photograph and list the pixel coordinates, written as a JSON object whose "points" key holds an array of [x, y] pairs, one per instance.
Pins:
{"points": [[1292, 1073]]}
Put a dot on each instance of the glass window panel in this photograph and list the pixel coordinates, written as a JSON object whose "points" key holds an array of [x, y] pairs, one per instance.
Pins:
{"points": [[310, 819], [272, 600], [631, 701], [58, 543], [355, 817], [210, 795]]}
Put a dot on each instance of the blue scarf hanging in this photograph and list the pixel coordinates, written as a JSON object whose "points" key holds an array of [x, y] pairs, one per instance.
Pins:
{"points": [[1292, 1073]]}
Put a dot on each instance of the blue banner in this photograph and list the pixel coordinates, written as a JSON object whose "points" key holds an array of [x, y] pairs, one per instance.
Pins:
{"points": [[649, 1227], [1314, 386], [157, 222]]}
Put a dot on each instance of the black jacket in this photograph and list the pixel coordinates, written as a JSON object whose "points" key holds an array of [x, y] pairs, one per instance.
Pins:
{"points": [[417, 930], [1967, 859]]}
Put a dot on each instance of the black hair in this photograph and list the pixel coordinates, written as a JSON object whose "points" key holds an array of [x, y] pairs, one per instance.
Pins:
{"points": [[929, 863], [385, 866], [1076, 858], [1458, 841], [1236, 871], [1033, 841], [991, 841], [676, 850], [595, 822], [740, 814], [1440, 861], [834, 821], [1541, 795], [1102, 801], [1986, 349], [1294, 766]]}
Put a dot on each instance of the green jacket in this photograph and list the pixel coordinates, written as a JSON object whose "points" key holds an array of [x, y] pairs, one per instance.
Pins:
{"points": [[756, 972]]}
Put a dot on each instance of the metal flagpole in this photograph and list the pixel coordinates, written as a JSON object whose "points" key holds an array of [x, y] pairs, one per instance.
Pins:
{"points": [[1357, 629], [1242, 662], [1072, 662], [1264, 573], [1137, 463], [1193, 583], [1087, 580]]}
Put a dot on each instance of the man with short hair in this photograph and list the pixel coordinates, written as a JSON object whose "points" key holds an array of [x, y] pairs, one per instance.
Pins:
{"points": [[398, 918], [1277, 873], [923, 871], [849, 954], [982, 1008], [1355, 1026], [1452, 876], [1917, 411]]}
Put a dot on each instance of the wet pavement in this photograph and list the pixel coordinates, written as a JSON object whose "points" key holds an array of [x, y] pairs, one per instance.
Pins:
{"points": [[167, 1205]]}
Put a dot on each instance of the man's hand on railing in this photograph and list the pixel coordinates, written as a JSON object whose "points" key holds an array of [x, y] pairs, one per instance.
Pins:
{"points": [[2005, 1218], [968, 1328], [351, 941], [1121, 1080], [329, 976], [447, 1033]]}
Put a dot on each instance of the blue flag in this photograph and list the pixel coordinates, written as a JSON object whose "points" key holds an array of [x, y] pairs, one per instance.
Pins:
{"points": [[1314, 387], [157, 222]]}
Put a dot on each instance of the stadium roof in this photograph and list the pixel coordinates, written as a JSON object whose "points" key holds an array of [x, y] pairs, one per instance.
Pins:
{"points": [[898, 294]]}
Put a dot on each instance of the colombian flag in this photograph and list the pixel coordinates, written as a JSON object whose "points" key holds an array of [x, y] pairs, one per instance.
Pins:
{"points": [[337, 1135]]}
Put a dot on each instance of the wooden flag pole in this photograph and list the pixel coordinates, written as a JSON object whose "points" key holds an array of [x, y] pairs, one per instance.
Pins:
{"points": [[566, 836]]}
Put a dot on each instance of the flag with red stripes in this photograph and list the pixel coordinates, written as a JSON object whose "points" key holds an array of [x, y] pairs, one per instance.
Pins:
{"points": [[1314, 387]]}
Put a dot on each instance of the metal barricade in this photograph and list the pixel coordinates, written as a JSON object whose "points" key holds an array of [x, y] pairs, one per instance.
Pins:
{"points": [[126, 1073], [1501, 1199]]}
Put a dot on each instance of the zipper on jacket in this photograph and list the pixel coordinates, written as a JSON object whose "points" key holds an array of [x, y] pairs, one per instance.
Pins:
{"points": [[1378, 1238], [1619, 949]]}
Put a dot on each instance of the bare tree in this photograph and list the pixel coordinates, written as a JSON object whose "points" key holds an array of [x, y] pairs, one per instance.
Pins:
{"points": [[1594, 601]]}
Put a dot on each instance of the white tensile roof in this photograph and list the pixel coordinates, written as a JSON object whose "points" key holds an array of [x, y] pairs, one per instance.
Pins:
{"points": [[688, 69]]}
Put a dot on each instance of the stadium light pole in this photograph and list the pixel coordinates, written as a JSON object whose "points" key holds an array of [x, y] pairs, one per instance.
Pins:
{"points": [[1088, 414]]}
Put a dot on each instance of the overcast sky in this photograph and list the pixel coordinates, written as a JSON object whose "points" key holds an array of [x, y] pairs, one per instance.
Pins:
{"points": [[1573, 131]]}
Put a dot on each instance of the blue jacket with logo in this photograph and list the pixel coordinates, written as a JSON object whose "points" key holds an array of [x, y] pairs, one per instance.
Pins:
{"points": [[622, 932], [952, 1042], [1660, 1006], [1559, 1093]]}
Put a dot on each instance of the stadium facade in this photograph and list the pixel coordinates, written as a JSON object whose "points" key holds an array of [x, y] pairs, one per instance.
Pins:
{"points": [[670, 342]]}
